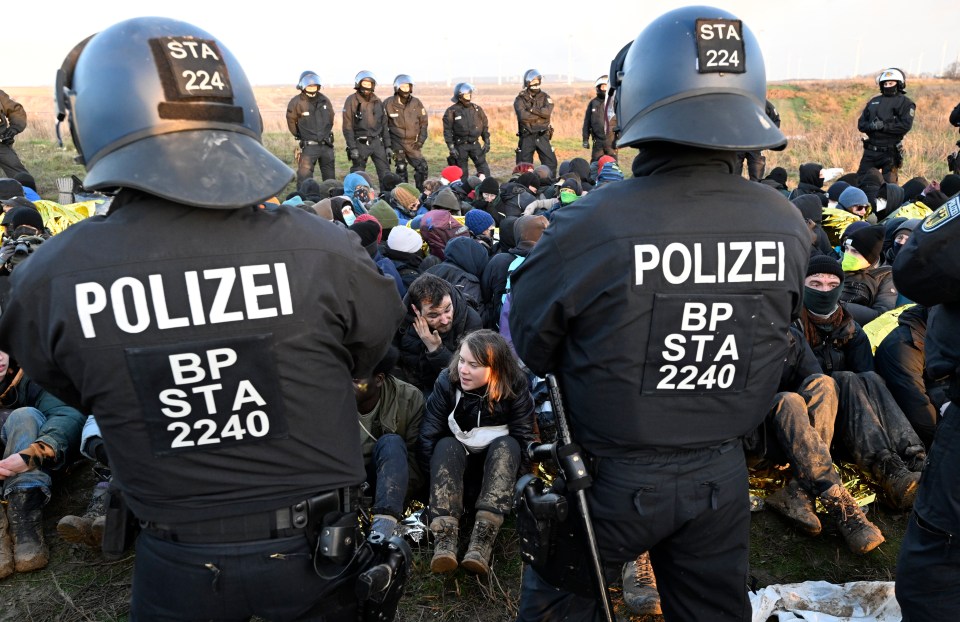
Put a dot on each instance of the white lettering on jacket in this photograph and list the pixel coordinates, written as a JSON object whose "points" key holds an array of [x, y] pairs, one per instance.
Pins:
{"points": [[681, 263], [149, 301]]}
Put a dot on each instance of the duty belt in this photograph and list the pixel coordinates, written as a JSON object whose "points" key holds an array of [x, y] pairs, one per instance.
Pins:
{"points": [[366, 140], [870, 147], [281, 523], [464, 141], [311, 142]]}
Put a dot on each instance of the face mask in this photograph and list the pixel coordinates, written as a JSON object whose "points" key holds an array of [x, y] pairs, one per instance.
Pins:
{"points": [[896, 248], [852, 263], [821, 303], [881, 205], [534, 87], [567, 197], [889, 90], [349, 218]]}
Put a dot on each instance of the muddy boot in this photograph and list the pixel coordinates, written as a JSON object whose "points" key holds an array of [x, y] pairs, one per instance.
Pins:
{"points": [[6, 546], [640, 593], [915, 458], [898, 482], [444, 530], [794, 502], [477, 558], [383, 524], [80, 529], [861, 535], [26, 525]]}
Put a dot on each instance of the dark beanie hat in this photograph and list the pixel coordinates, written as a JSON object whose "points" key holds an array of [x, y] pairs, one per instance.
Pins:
{"points": [[23, 216], [390, 181], [834, 191], [10, 188], [529, 179], [869, 242], [950, 185], [824, 264], [478, 221], [26, 180], [810, 206], [489, 186], [913, 188], [779, 175], [368, 230]]}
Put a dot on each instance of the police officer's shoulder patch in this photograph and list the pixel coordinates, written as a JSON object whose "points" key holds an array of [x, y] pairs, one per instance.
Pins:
{"points": [[945, 213]]}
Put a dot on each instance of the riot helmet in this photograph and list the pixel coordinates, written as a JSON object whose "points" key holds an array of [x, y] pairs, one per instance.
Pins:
{"points": [[892, 75], [695, 76], [532, 79], [463, 92], [399, 82], [362, 78], [601, 85], [308, 79], [162, 106]]}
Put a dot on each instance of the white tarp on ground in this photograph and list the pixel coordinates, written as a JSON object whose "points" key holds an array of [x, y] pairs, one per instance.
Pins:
{"points": [[819, 601]]}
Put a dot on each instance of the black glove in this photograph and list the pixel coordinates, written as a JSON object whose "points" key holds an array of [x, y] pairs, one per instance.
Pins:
{"points": [[389, 153], [99, 451], [486, 147], [453, 152], [7, 135], [876, 124], [586, 144], [353, 154]]}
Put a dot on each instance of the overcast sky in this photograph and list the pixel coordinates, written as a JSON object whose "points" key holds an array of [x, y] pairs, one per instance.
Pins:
{"points": [[437, 40]]}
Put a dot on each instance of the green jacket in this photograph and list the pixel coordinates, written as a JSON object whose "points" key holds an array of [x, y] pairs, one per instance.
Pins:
{"points": [[399, 411]]}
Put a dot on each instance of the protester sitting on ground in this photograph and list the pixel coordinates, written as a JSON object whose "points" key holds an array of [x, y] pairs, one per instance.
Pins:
{"points": [[478, 422], [777, 179], [527, 231], [874, 431], [437, 227], [870, 182], [811, 182], [29, 186], [854, 200], [798, 431], [40, 435], [390, 412], [357, 188], [609, 173], [834, 192], [486, 196], [386, 216], [481, 226], [405, 250], [462, 267], [368, 230], [87, 529], [437, 319], [949, 185], [889, 199], [812, 211], [868, 288]]}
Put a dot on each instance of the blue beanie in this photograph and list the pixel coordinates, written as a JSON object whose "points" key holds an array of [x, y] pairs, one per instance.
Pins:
{"points": [[478, 221], [852, 196]]}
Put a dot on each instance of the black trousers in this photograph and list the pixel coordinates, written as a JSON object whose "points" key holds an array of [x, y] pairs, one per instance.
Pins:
{"points": [[531, 144], [414, 157], [10, 162], [272, 579], [373, 149], [690, 509], [887, 161], [756, 163], [602, 147], [309, 156], [472, 151], [928, 569]]}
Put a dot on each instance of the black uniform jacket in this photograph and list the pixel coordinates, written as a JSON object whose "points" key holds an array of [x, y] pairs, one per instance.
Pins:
{"points": [[516, 414], [593, 120], [311, 118], [408, 122], [216, 348], [663, 302], [465, 123], [372, 120], [533, 111], [896, 112]]}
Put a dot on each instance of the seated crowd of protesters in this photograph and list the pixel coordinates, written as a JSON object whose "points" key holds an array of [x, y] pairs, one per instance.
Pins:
{"points": [[446, 417]]}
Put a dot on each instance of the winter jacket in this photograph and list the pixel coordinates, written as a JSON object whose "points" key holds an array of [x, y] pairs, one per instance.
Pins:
{"points": [[516, 413], [895, 111], [311, 118], [493, 283], [465, 123], [465, 260], [869, 293], [533, 111], [12, 114], [407, 122], [422, 367], [408, 265], [371, 124], [844, 348], [399, 411], [810, 183], [593, 120], [61, 430]]}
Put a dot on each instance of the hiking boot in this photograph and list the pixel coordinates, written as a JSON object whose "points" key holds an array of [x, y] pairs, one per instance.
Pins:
{"points": [[640, 593], [861, 535], [6, 546], [898, 482], [444, 530], [384, 524], [794, 502], [80, 529], [477, 558], [26, 526]]}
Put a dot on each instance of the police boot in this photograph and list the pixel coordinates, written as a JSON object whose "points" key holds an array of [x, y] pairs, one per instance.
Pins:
{"points": [[898, 482], [87, 529], [477, 558], [640, 593], [6, 546], [861, 535], [26, 525], [444, 530], [383, 524], [794, 502]]}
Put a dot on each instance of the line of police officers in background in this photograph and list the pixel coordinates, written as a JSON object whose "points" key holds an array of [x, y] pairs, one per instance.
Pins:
{"points": [[396, 128]]}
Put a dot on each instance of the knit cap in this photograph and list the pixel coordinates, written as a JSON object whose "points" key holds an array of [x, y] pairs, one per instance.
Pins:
{"points": [[451, 173], [837, 187], [404, 240], [824, 264], [489, 185], [478, 221], [406, 195], [869, 242], [384, 214], [852, 196], [364, 233]]}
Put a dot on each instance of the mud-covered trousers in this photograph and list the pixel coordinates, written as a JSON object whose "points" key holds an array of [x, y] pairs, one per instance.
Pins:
{"points": [[389, 474], [928, 569], [690, 509], [451, 466]]}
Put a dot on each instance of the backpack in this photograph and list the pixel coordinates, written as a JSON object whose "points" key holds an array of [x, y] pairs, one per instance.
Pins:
{"points": [[437, 227]]}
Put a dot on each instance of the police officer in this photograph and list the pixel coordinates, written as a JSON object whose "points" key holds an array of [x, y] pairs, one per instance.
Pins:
{"points": [[407, 119], [220, 372], [464, 126], [533, 108], [885, 120], [310, 120], [595, 124], [953, 159], [365, 127], [668, 327], [13, 120], [756, 161], [927, 270]]}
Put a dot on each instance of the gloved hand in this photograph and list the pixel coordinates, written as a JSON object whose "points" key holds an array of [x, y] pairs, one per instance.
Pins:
{"points": [[6, 136], [586, 144], [389, 153], [486, 147], [353, 154], [418, 146], [876, 124], [453, 152]]}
